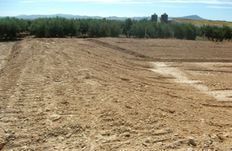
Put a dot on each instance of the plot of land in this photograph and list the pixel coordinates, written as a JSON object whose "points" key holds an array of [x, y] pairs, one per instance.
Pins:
{"points": [[115, 94]]}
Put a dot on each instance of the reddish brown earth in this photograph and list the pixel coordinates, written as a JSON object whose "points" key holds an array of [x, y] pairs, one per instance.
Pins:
{"points": [[115, 94]]}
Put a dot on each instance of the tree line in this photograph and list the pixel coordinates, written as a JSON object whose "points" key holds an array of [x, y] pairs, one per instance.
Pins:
{"points": [[13, 28], [216, 33], [10, 28]]}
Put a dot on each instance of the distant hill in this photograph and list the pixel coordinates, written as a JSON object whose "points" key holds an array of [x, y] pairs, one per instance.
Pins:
{"points": [[31, 17], [69, 16], [192, 17]]}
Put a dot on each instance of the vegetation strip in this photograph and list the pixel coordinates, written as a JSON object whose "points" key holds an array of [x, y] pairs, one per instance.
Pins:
{"points": [[13, 28]]}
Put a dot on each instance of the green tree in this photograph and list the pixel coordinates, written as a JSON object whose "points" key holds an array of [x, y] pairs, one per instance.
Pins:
{"points": [[84, 27], [127, 27], [115, 29], [190, 32], [138, 30], [227, 32], [10, 28]]}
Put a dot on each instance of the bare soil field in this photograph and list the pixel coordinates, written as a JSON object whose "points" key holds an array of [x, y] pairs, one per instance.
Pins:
{"points": [[115, 94]]}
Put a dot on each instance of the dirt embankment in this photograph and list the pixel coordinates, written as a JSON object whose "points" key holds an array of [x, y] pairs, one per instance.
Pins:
{"points": [[100, 94]]}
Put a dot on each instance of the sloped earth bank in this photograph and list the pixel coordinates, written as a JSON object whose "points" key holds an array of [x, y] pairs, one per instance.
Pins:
{"points": [[115, 94]]}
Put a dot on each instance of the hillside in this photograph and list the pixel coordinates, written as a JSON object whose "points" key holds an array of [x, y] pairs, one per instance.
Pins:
{"points": [[69, 16], [204, 22], [191, 17]]}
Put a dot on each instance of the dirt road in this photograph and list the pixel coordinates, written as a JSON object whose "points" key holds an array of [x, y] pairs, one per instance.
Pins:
{"points": [[115, 94]]}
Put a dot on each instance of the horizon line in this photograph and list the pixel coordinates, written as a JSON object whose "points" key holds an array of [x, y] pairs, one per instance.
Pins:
{"points": [[54, 14]]}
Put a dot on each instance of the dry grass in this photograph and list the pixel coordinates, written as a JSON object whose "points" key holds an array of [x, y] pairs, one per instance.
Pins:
{"points": [[205, 22]]}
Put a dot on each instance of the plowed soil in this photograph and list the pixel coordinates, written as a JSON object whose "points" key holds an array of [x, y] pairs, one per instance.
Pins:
{"points": [[115, 94]]}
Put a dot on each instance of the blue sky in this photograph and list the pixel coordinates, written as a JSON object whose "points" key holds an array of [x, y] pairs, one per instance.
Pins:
{"points": [[210, 9]]}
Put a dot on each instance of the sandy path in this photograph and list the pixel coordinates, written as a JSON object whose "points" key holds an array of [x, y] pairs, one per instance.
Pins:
{"points": [[180, 77]]}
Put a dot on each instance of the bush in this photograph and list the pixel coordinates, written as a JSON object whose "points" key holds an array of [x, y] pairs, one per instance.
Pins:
{"points": [[127, 25], [216, 33], [227, 31], [10, 28], [54, 27]]}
